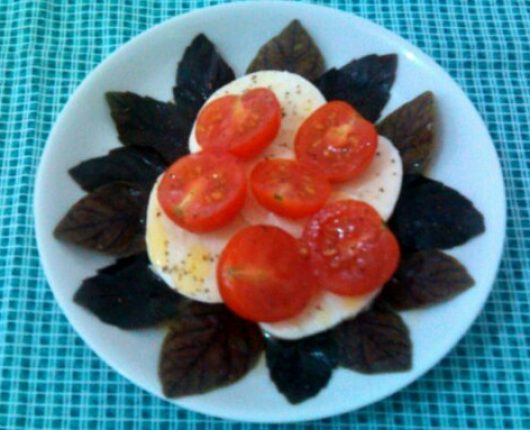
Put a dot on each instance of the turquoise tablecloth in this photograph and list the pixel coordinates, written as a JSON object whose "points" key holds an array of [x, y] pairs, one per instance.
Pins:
{"points": [[51, 380]]}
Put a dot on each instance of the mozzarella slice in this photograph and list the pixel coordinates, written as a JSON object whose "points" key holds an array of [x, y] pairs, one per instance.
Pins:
{"points": [[254, 213], [325, 311], [380, 184], [186, 261], [297, 96]]}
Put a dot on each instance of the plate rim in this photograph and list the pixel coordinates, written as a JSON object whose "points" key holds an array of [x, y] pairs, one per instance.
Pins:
{"points": [[371, 26]]}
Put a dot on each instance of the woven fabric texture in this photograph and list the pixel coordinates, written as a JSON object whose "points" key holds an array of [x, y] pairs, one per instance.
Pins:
{"points": [[49, 379]]}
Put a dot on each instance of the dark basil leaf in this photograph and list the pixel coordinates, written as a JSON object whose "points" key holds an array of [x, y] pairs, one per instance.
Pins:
{"points": [[301, 368], [429, 214], [129, 296], [292, 50], [188, 102], [129, 164], [411, 129], [202, 69], [200, 72], [111, 219], [143, 121], [207, 347], [426, 278], [364, 83], [376, 341]]}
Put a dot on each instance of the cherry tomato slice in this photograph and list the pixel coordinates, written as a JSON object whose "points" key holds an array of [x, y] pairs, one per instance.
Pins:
{"points": [[242, 125], [203, 191], [262, 275], [287, 188], [350, 249], [336, 141]]}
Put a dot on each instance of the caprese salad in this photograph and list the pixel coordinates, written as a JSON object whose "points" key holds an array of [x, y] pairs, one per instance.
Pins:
{"points": [[279, 210], [270, 212]]}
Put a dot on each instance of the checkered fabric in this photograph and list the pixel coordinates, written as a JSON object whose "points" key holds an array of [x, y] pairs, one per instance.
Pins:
{"points": [[49, 379]]}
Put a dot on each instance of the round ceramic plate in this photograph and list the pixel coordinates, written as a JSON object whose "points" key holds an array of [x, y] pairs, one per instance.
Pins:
{"points": [[465, 160]]}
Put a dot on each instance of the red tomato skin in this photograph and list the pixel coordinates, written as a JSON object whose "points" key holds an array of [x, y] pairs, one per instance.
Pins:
{"points": [[273, 183], [215, 212], [350, 250], [336, 141], [243, 125], [262, 275]]}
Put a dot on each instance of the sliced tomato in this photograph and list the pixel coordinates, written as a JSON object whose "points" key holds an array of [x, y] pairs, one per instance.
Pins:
{"points": [[336, 141], [242, 125], [350, 249], [262, 275], [288, 188], [203, 191]]}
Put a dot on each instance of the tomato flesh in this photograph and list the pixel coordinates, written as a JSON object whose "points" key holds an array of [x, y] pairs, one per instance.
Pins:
{"points": [[287, 188], [336, 141], [240, 124], [204, 191], [350, 250], [262, 275]]}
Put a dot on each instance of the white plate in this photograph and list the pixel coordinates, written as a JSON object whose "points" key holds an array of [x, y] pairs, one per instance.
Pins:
{"points": [[466, 160]]}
